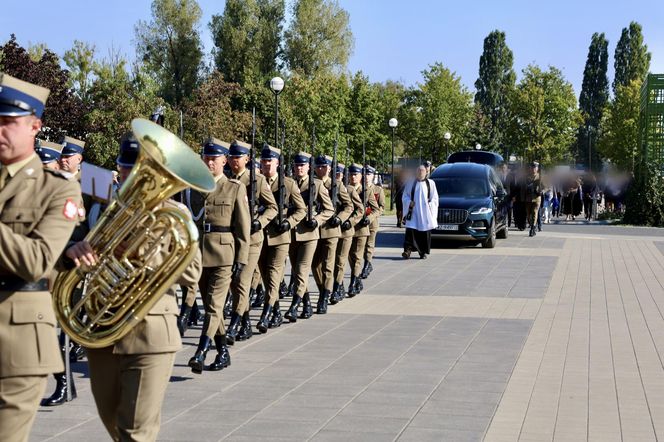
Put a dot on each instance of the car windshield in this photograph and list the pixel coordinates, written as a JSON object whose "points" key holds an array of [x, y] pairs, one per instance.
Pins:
{"points": [[460, 186]]}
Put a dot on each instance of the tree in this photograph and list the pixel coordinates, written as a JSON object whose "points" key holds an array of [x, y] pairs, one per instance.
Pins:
{"points": [[319, 38], [170, 46], [495, 83], [594, 98], [80, 62], [620, 127], [631, 58]]}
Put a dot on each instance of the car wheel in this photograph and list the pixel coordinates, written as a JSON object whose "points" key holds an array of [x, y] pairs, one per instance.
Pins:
{"points": [[502, 233], [490, 242]]}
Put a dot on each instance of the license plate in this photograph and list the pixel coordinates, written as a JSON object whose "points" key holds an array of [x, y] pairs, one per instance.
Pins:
{"points": [[448, 227]]}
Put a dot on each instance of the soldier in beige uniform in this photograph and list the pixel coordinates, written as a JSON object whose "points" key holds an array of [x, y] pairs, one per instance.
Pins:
{"points": [[38, 212], [49, 153], [225, 253], [278, 235], [306, 234], [344, 243], [379, 195], [72, 157], [330, 232], [362, 233]]}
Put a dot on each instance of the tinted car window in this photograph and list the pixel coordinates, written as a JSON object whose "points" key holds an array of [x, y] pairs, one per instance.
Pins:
{"points": [[461, 186]]}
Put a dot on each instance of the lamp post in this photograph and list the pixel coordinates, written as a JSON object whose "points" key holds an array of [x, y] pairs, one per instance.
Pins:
{"points": [[478, 146], [277, 85], [393, 123], [447, 136]]}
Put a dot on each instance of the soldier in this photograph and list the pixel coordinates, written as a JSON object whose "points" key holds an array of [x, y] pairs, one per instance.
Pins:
{"points": [[379, 195], [265, 208], [38, 212], [330, 232], [306, 234], [290, 211], [531, 194], [344, 243], [371, 211], [225, 253], [49, 153], [72, 157]]}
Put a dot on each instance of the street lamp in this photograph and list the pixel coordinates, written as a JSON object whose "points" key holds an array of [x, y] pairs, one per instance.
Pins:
{"points": [[277, 85], [447, 136], [478, 146], [393, 123]]}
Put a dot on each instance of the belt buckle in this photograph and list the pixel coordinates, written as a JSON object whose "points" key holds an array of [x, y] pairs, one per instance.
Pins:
{"points": [[206, 228]]}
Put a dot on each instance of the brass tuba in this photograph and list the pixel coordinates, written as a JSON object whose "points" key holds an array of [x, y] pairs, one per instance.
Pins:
{"points": [[142, 246]]}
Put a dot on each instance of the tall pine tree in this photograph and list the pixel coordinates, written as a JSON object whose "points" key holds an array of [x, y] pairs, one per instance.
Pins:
{"points": [[593, 99], [631, 59], [496, 81]]}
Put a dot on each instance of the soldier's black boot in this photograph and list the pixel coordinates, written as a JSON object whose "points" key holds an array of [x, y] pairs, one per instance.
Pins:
{"points": [[59, 396], [335, 297], [194, 315], [183, 319], [223, 358], [321, 307], [276, 319], [76, 352], [283, 289], [359, 285], [197, 362], [252, 297], [342, 291], [228, 305], [263, 322], [369, 269], [260, 297], [307, 311], [532, 231], [365, 270], [352, 287], [291, 314], [246, 331], [291, 289], [231, 333]]}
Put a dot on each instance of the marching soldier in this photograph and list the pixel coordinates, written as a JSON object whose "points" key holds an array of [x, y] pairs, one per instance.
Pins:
{"points": [[38, 212], [265, 209], [290, 211], [225, 253], [306, 234], [379, 195], [371, 211], [71, 157], [346, 239], [49, 154], [330, 232]]}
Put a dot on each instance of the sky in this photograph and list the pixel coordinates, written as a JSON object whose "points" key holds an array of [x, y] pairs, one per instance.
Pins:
{"points": [[394, 39]]}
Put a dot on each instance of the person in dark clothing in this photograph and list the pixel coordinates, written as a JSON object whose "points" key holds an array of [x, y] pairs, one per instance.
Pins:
{"points": [[398, 195], [589, 188]]}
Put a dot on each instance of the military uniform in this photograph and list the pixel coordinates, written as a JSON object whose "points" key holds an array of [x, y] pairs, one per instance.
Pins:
{"points": [[379, 195], [49, 153], [38, 212], [531, 195], [305, 238]]}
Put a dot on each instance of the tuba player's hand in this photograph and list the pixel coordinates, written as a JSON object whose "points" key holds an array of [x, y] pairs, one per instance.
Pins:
{"points": [[82, 254]]}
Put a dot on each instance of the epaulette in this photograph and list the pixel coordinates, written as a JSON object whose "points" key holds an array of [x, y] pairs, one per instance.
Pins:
{"points": [[59, 174]]}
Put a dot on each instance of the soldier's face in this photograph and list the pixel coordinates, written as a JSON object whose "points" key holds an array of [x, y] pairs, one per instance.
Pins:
{"points": [[70, 163], [370, 177], [123, 173], [269, 167], [17, 137], [301, 170], [340, 175], [215, 164], [355, 178], [238, 163], [321, 171]]}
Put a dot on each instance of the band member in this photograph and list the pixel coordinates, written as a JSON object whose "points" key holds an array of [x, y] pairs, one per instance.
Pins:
{"points": [[371, 211], [290, 210], [129, 379], [38, 212], [265, 208], [225, 253], [49, 154], [379, 195], [72, 157], [330, 232], [346, 239], [306, 234]]}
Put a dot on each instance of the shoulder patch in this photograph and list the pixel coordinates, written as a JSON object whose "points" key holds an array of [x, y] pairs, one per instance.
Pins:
{"points": [[70, 211]]}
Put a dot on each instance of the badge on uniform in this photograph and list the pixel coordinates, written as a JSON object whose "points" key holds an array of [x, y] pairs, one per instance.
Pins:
{"points": [[70, 210]]}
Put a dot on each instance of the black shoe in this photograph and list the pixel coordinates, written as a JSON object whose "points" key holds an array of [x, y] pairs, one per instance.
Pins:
{"points": [[228, 306], [342, 291], [291, 314], [252, 297], [532, 232], [260, 297], [262, 324], [359, 284], [335, 297], [283, 290], [352, 287], [59, 396], [246, 331], [183, 319], [423, 256], [369, 269], [197, 362], [405, 254], [276, 320], [76, 352], [307, 311], [194, 315], [365, 270], [231, 333], [321, 307], [223, 358]]}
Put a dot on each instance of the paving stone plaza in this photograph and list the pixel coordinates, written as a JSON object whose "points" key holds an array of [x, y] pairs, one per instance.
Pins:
{"points": [[556, 337]]}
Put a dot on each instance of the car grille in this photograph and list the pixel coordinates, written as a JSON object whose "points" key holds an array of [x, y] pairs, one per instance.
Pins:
{"points": [[452, 216]]}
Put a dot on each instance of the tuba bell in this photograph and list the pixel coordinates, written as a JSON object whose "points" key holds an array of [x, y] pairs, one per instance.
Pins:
{"points": [[142, 247]]}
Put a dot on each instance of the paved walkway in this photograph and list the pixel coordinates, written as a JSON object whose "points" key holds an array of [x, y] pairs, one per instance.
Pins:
{"points": [[556, 337]]}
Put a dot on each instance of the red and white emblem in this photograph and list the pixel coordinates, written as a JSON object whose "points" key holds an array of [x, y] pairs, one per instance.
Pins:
{"points": [[71, 209], [81, 212]]}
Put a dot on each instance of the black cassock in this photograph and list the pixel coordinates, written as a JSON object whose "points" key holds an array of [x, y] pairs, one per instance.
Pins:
{"points": [[417, 241]]}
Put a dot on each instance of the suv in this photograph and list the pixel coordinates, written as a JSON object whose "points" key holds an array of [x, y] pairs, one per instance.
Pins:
{"points": [[476, 156], [472, 203]]}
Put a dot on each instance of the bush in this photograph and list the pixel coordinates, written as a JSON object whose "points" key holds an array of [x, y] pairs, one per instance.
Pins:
{"points": [[645, 198]]}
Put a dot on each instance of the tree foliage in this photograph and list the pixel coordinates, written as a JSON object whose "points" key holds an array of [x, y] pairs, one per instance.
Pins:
{"points": [[80, 61], [620, 127], [631, 58]]}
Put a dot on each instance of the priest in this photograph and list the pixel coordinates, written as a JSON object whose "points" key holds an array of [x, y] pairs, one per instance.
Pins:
{"points": [[420, 202]]}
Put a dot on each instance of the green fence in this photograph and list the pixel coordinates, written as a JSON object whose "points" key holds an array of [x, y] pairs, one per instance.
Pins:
{"points": [[651, 122]]}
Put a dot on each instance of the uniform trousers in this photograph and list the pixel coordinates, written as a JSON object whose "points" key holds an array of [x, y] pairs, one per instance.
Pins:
{"points": [[19, 400], [214, 284], [301, 254], [241, 288], [189, 293], [129, 391], [272, 265], [371, 242], [532, 209], [323, 263], [343, 249], [257, 278], [356, 254]]}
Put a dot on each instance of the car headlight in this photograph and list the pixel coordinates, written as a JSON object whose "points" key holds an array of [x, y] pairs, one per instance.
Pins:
{"points": [[481, 211]]}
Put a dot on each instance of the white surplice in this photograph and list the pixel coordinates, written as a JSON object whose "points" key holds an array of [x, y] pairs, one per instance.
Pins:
{"points": [[425, 212]]}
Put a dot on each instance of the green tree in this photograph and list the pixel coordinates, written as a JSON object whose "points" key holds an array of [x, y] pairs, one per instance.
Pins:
{"points": [[170, 46], [594, 98], [319, 38], [631, 58], [495, 83], [620, 127], [365, 121], [80, 62]]}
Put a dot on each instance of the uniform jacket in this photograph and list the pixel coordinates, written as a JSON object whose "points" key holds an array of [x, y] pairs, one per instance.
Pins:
{"points": [[38, 213], [343, 210], [379, 195], [323, 209], [227, 206], [372, 211], [295, 211], [356, 214], [265, 202], [531, 189]]}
